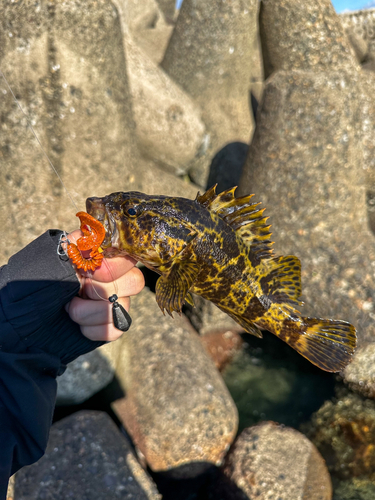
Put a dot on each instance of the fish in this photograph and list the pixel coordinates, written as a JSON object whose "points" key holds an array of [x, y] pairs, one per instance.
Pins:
{"points": [[219, 247]]}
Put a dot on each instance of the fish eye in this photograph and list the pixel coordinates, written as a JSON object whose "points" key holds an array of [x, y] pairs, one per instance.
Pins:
{"points": [[132, 210]]}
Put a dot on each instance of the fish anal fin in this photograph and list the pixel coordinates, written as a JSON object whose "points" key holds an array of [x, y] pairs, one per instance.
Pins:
{"points": [[172, 289], [246, 325], [281, 280], [328, 344]]}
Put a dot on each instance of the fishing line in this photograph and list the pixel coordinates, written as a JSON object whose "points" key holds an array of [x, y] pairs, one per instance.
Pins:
{"points": [[121, 317], [37, 138]]}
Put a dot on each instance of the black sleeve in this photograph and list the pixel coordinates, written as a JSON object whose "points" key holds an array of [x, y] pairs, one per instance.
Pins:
{"points": [[37, 340]]}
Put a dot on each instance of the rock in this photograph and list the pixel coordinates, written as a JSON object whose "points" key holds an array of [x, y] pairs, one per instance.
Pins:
{"points": [[86, 457], [306, 164], [344, 432], [84, 377], [140, 14], [369, 66], [226, 166], [271, 461], [359, 45], [354, 489], [80, 104], [177, 408], [268, 380], [169, 127], [145, 23], [168, 8], [314, 41], [154, 39], [207, 318], [71, 79], [10, 492], [221, 346], [368, 143], [361, 23], [146, 177], [209, 55]]}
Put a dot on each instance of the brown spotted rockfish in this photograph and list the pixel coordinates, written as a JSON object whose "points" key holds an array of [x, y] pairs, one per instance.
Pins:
{"points": [[219, 247]]}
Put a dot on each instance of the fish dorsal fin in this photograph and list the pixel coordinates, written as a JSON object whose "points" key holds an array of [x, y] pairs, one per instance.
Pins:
{"points": [[243, 216], [206, 198]]}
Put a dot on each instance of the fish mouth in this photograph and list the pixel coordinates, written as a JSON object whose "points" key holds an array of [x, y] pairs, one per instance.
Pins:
{"points": [[97, 209]]}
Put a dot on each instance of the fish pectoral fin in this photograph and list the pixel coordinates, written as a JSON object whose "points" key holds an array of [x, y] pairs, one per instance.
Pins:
{"points": [[189, 299], [172, 290]]}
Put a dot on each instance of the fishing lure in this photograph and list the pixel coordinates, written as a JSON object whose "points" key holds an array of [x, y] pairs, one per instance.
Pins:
{"points": [[94, 234]]}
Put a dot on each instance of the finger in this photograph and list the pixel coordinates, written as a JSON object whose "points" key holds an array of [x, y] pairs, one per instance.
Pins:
{"points": [[108, 332], [89, 313], [110, 269], [127, 285]]}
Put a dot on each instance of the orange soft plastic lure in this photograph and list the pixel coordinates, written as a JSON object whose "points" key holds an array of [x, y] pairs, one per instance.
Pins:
{"points": [[94, 234]]}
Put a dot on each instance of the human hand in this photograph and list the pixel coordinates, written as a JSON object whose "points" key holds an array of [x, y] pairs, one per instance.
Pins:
{"points": [[93, 314]]}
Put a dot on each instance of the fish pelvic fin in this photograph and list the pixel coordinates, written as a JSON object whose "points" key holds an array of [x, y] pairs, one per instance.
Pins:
{"points": [[244, 216], [327, 343]]}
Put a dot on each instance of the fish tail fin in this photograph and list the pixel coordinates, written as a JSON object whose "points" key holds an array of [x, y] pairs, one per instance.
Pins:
{"points": [[328, 344]]}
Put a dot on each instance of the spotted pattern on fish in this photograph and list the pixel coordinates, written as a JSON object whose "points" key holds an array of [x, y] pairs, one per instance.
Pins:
{"points": [[219, 247]]}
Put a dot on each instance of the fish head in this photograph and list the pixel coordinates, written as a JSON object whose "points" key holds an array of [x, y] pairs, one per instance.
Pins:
{"points": [[149, 228]]}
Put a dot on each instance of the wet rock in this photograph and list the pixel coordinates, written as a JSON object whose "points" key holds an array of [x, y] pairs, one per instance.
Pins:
{"points": [[222, 346], [306, 164], [344, 432], [86, 457], [271, 461], [268, 380], [177, 408], [354, 489], [209, 55], [169, 127]]}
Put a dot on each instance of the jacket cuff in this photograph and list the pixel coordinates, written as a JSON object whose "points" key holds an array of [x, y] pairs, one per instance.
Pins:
{"points": [[36, 284]]}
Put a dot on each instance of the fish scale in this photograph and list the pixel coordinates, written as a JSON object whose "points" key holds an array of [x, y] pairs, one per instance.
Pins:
{"points": [[219, 247]]}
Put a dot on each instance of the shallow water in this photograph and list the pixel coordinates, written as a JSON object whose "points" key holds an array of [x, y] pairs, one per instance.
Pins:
{"points": [[269, 381]]}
